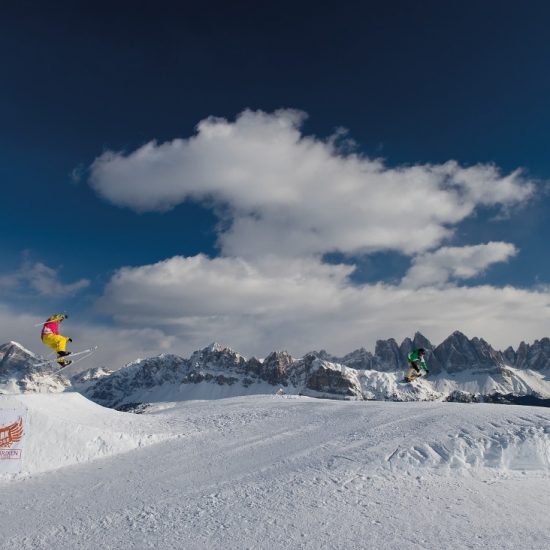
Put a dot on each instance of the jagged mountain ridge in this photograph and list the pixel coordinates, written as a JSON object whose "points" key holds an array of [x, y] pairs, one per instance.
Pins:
{"points": [[217, 371], [460, 369]]}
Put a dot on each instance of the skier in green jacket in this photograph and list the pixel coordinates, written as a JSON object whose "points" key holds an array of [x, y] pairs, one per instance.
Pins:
{"points": [[416, 363]]}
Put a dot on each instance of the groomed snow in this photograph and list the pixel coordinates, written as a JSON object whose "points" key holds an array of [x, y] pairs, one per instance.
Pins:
{"points": [[65, 429], [285, 472]]}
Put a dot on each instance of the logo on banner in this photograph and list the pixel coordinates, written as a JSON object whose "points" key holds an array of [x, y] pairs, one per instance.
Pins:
{"points": [[12, 438], [9, 436]]}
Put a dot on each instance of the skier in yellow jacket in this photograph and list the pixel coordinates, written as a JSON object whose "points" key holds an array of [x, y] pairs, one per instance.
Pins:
{"points": [[54, 340]]}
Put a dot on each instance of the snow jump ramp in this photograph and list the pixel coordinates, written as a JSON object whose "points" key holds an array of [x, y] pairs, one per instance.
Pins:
{"points": [[65, 429]]}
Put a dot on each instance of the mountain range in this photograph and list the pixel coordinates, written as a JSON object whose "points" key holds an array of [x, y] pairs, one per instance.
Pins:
{"points": [[461, 369]]}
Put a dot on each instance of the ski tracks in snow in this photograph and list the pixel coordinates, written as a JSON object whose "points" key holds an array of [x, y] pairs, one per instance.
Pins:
{"points": [[263, 472]]}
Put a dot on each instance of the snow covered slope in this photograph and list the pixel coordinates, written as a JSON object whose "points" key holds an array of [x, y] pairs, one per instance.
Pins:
{"points": [[386, 436], [294, 472], [68, 428], [64, 429]]}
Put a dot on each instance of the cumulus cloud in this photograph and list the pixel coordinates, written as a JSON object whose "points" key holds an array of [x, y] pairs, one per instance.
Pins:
{"points": [[306, 305], [290, 194], [286, 199], [180, 288], [451, 262], [41, 279]]}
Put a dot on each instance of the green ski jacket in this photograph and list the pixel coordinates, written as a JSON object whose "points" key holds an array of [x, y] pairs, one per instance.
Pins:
{"points": [[415, 358]]}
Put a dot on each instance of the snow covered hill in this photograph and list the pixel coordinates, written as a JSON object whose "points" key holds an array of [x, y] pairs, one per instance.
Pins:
{"points": [[65, 429], [280, 472]]}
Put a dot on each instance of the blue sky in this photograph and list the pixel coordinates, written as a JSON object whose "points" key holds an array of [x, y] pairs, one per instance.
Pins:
{"points": [[299, 175]]}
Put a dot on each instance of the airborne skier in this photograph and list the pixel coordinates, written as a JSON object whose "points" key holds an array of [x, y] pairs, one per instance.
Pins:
{"points": [[416, 362], [51, 338]]}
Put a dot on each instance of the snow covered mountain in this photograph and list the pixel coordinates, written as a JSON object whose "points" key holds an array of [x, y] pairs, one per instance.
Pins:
{"points": [[19, 372], [83, 380], [460, 370], [216, 372]]}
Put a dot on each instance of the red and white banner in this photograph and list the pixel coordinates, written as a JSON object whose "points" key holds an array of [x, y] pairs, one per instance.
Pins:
{"points": [[12, 434]]}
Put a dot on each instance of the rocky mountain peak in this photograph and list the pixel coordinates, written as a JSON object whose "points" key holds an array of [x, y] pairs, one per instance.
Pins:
{"points": [[458, 353], [388, 355], [328, 379], [215, 347], [91, 375], [216, 355], [274, 368], [420, 341], [360, 359], [22, 371], [535, 356]]}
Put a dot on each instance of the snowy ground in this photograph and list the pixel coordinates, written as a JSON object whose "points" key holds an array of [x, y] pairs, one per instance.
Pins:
{"points": [[264, 472]]}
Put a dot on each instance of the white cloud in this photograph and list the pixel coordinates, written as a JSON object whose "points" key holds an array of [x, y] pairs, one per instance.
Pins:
{"points": [[292, 195], [305, 304], [41, 279], [285, 200], [437, 268]]}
